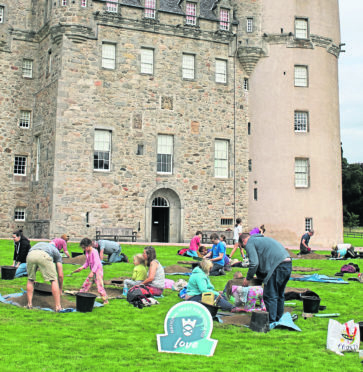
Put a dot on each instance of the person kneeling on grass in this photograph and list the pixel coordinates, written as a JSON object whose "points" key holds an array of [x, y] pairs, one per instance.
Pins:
{"points": [[139, 273], [216, 255], [94, 263], [43, 256], [199, 283]]}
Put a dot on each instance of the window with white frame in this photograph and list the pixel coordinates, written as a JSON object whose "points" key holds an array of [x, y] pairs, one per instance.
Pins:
{"points": [[221, 71], [102, 150], [224, 19], [301, 172], [301, 121], [150, 6], [19, 214], [308, 224], [301, 28], [112, 6], [64, 2], [27, 68], [188, 66], [37, 164], [1, 14], [147, 61], [301, 76], [249, 25], [191, 14], [108, 56], [24, 120], [165, 154], [20, 165], [221, 158], [83, 3]]}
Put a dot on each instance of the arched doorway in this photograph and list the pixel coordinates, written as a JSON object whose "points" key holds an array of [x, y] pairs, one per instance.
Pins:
{"points": [[160, 220]]}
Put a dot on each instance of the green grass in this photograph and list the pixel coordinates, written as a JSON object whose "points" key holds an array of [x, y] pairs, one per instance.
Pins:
{"points": [[120, 336], [355, 242]]}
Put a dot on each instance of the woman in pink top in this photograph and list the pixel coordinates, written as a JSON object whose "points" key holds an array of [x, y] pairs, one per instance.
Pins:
{"points": [[61, 243], [94, 263], [194, 245]]}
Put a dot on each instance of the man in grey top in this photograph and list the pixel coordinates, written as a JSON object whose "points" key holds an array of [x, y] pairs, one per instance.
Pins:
{"points": [[109, 247], [270, 261], [47, 259]]}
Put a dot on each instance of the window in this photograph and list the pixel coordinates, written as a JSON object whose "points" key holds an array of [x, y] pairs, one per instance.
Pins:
{"points": [[221, 71], [37, 164], [250, 165], [1, 14], [108, 56], [191, 13], [301, 28], [19, 214], [102, 150], [165, 154], [245, 84], [224, 19], [83, 3], [301, 172], [301, 76], [188, 66], [27, 68], [147, 61], [249, 25], [255, 193], [221, 159], [20, 165], [64, 2], [24, 120], [49, 63], [226, 221], [112, 6], [249, 128], [308, 223], [301, 121], [140, 149], [150, 6]]}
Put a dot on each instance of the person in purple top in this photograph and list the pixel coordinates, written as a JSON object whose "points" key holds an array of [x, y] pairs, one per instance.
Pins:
{"points": [[258, 230], [94, 263]]}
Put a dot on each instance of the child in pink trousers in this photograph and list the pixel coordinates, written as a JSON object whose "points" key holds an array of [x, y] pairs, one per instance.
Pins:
{"points": [[94, 263]]}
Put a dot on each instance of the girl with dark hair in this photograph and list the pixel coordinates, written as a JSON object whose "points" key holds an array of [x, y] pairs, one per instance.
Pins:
{"points": [[155, 280], [21, 249]]}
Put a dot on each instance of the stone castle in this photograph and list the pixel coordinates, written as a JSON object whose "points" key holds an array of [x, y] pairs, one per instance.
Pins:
{"points": [[170, 116]]}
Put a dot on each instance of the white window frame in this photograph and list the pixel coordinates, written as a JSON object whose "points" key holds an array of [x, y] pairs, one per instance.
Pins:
{"points": [[224, 19], [221, 158], [20, 165], [108, 56], [308, 223], [301, 76], [191, 13], [221, 71], [249, 25], [2, 12], [27, 68], [84, 3], [19, 213], [37, 164], [301, 121], [147, 61], [302, 172], [188, 66], [64, 2], [150, 9], [102, 146], [165, 154], [112, 6], [25, 119], [301, 28]]}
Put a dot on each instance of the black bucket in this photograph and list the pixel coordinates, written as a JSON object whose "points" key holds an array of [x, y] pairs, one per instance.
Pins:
{"points": [[361, 331], [76, 254], [212, 309], [8, 272], [260, 321], [85, 302], [311, 304]]}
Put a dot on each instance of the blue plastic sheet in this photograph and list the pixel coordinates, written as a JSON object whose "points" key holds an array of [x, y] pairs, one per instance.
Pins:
{"points": [[285, 321], [320, 278]]}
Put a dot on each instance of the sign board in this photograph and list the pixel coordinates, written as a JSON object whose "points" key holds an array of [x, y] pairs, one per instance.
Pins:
{"points": [[187, 326]]}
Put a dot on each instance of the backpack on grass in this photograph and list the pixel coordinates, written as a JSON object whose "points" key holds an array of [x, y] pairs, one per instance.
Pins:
{"points": [[139, 296], [350, 268]]}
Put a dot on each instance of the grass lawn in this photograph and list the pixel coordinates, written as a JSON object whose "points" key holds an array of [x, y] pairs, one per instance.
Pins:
{"points": [[120, 337], [355, 242]]}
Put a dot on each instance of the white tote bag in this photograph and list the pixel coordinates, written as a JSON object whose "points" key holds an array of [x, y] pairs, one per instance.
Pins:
{"points": [[343, 337]]}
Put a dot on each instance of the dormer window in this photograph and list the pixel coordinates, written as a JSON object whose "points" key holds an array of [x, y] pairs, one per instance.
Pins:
{"points": [[191, 14], [150, 6], [224, 19]]}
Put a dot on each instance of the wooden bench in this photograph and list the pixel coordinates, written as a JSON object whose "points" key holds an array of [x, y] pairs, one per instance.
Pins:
{"points": [[116, 233], [207, 233]]}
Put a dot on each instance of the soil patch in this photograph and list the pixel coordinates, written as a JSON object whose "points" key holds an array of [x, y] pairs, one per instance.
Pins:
{"points": [[79, 260], [176, 269], [293, 255], [296, 276], [112, 293], [297, 290], [304, 269], [43, 301], [309, 256], [116, 281]]}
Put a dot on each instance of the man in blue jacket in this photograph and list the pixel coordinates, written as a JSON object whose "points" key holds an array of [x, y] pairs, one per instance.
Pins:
{"points": [[270, 261]]}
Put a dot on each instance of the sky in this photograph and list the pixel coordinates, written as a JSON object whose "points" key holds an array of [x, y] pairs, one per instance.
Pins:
{"points": [[351, 80]]}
